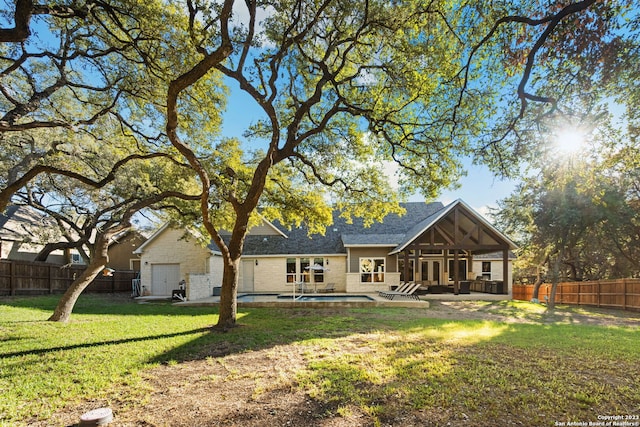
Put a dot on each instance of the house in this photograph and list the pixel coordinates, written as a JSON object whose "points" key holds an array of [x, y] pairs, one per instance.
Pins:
{"points": [[121, 250], [24, 232], [171, 255], [431, 244]]}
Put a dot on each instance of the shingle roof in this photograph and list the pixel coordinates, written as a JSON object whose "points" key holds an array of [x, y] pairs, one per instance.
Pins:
{"points": [[22, 223], [372, 239], [423, 225], [390, 232]]}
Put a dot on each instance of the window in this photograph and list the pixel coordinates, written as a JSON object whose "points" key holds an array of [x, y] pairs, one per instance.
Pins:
{"points": [[292, 272], [75, 258], [304, 269], [372, 270], [486, 270], [425, 271], [462, 269], [318, 274], [301, 269]]}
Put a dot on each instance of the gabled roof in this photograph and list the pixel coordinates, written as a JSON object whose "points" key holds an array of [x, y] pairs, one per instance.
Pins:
{"points": [[432, 220], [395, 233], [341, 234]]}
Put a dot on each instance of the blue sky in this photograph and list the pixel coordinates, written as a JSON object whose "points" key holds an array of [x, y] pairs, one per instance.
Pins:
{"points": [[480, 188]]}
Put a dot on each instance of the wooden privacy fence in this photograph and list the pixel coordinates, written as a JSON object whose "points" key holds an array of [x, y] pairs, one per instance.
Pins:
{"points": [[621, 293], [36, 278]]}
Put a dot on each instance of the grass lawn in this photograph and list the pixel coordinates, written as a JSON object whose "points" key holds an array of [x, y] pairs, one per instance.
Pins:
{"points": [[507, 363]]}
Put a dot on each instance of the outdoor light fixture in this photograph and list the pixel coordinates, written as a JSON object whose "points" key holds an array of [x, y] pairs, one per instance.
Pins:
{"points": [[256, 262]]}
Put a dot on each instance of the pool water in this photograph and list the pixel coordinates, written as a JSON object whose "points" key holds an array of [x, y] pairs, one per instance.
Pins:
{"points": [[289, 297]]}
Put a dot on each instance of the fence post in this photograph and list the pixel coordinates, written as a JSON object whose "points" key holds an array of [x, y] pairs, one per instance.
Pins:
{"points": [[12, 279], [50, 278], [559, 292]]}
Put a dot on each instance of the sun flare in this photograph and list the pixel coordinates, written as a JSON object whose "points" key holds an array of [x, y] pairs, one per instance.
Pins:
{"points": [[569, 141]]}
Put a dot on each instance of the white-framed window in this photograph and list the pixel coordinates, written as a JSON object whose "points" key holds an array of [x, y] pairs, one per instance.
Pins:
{"points": [[76, 258], [372, 270], [301, 269], [292, 270], [486, 270], [318, 273], [304, 269]]}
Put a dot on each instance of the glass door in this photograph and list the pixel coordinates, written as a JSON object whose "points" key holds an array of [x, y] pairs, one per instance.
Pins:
{"points": [[430, 272]]}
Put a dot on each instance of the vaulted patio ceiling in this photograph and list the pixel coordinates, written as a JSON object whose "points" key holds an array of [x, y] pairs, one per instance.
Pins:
{"points": [[456, 227]]}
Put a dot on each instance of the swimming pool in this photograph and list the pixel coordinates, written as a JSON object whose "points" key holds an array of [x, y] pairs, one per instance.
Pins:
{"points": [[329, 298], [303, 298]]}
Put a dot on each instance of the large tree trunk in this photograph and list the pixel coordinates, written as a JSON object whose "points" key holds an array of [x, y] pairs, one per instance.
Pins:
{"points": [[97, 264], [555, 279], [536, 286], [228, 293]]}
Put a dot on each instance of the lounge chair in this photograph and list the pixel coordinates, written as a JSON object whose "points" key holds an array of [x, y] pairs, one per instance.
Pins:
{"points": [[400, 288], [330, 287], [408, 292]]}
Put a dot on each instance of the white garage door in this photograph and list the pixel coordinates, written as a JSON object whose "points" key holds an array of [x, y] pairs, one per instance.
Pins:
{"points": [[164, 278]]}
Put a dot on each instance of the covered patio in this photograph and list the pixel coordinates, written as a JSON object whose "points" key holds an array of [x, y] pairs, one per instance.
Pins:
{"points": [[439, 252]]}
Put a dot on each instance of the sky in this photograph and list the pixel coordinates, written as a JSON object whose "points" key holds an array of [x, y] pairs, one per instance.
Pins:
{"points": [[480, 189]]}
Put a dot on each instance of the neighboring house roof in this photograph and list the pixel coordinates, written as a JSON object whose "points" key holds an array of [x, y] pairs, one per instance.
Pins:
{"points": [[21, 223], [125, 234]]}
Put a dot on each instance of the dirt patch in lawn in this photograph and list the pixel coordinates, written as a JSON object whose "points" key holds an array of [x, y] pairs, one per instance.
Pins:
{"points": [[225, 386]]}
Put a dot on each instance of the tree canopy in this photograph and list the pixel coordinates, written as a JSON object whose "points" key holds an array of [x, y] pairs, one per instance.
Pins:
{"points": [[365, 103]]}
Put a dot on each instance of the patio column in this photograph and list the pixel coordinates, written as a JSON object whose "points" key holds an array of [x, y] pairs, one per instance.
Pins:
{"points": [[445, 280], [505, 271], [406, 265], [416, 260], [456, 273]]}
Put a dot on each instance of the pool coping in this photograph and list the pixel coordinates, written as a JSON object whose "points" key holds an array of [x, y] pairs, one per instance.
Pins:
{"points": [[377, 302]]}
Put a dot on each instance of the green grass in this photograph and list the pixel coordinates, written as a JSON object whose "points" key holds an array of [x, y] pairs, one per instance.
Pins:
{"points": [[378, 362]]}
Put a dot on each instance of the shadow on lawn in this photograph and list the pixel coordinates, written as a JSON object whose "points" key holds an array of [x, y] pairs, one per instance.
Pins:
{"points": [[397, 366], [40, 351], [393, 366]]}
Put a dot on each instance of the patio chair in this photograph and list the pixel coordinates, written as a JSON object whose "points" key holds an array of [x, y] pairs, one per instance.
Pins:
{"points": [[408, 292], [400, 288], [304, 287], [329, 287]]}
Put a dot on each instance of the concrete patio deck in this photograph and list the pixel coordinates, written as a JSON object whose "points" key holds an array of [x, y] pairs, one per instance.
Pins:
{"points": [[377, 301]]}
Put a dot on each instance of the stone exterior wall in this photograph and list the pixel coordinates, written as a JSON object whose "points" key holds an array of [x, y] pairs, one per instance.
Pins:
{"points": [[201, 286]]}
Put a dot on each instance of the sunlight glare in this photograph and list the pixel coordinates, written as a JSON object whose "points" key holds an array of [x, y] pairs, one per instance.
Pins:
{"points": [[569, 141]]}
